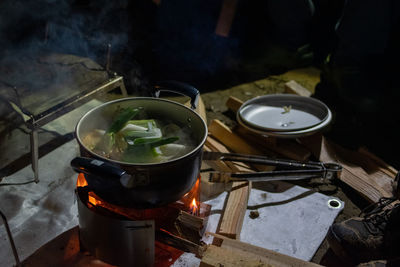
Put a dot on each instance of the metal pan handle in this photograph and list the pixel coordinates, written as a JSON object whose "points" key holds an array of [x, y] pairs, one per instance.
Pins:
{"points": [[178, 88]]}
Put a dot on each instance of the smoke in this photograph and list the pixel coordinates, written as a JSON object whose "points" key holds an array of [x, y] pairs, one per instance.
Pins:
{"points": [[83, 28], [31, 31]]}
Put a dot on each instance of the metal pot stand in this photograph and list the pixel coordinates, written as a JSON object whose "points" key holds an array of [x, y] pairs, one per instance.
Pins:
{"points": [[39, 114]]}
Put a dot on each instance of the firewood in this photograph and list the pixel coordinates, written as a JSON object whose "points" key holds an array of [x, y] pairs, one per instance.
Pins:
{"points": [[236, 203], [236, 253], [217, 165], [232, 218], [179, 243], [190, 227], [234, 103], [235, 143], [352, 174], [292, 87], [209, 189], [379, 163], [216, 146]]}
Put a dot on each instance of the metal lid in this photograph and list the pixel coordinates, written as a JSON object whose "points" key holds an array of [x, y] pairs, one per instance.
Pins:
{"points": [[283, 113], [289, 134]]}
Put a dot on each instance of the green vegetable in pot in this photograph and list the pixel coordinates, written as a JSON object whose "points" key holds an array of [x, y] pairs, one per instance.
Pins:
{"points": [[139, 140], [122, 118], [106, 143], [140, 128], [145, 150]]}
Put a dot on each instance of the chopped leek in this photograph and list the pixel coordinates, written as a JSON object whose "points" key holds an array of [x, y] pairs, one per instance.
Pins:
{"points": [[145, 150], [122, 118]]}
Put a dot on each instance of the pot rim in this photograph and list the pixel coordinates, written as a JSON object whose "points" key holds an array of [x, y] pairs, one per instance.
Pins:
{"points": [[123, 163]]}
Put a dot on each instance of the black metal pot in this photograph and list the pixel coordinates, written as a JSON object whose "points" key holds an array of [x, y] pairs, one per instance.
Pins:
{"points": [[155, 184]]}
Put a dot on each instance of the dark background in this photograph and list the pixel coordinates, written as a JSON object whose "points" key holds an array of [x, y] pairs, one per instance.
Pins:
{"points": [[173, 40]]}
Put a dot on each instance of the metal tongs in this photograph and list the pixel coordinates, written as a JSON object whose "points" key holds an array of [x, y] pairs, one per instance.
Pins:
{"points": [[293, 170]]}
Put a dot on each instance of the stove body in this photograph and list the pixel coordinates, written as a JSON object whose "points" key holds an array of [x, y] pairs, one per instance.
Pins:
{"points": [[127, 236], [115, 240]]}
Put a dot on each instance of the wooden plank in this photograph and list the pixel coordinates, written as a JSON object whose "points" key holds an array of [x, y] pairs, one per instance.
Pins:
{"points": [[217, 165], [232, 218], [283, 147], [236, 253], [234, 103], [292, 150], [216, 146], [216, 257], [292, 87], [235, 143], [209, 189], [379, 163], [231, 221], [352, 174], [372, 185]]}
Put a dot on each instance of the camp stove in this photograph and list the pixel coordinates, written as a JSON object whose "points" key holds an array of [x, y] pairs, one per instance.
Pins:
{"points": [[140, 237]]}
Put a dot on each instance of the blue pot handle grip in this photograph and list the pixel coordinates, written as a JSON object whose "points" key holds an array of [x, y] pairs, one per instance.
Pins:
{"points": [[179, 88]]}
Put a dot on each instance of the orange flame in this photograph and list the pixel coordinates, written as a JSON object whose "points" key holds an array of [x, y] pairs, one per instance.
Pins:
{"points": [[81, 182], [194, 207], [93, 200]]}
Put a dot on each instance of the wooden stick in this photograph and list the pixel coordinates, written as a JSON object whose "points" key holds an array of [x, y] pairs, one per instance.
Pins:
{"points": [[236, 253], [383, 166], [179, 242], [284, 148], [292, 87], [352, 174], [235, 143], [232, 218], [234, 103], [216, 146], [217, 165], [189, 226]]}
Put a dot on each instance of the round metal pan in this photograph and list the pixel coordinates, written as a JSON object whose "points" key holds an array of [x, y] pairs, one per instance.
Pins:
{"points": [[290, 134], [283, 113]]}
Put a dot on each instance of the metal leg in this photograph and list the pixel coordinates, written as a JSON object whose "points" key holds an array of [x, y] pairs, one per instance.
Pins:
{"points": [[35, 153], [43, 119], [14, 249]]}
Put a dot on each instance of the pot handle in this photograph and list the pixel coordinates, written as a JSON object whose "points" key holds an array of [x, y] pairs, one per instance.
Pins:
{"points": [[102, 170], [179, 88], [105, 170], [96, 167]]}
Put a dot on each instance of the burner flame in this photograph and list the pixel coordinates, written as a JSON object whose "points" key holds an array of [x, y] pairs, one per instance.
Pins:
{"points": [[81, 182], [93, 200], [194, 207]]}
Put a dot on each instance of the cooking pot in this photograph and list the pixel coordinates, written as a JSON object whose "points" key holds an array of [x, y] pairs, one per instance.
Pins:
{"points": [[150, 184]]}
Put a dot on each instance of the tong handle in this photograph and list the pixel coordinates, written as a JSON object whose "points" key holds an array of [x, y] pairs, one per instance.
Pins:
{"points": [[283, 175], [262, 160]]}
